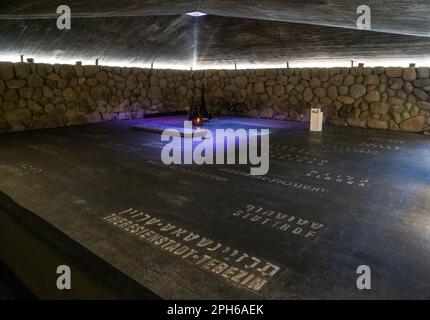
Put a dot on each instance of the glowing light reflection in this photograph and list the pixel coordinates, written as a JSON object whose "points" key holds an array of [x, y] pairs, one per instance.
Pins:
{"points": [[195, 65], [196, 14]]}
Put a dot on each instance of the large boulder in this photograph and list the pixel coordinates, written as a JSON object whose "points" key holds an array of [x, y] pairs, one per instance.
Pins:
{"points": [[379, 108], [53, 77], [394, 72], [94, 117], [259, 87], [336, 80], [415, 124], [67, 71], [154, 92], [371, 80], [395, 83], [357, 91], [373, 96], [308, 95], [349, 80], [241, 82], [22, 70], [314, 83], [424, 105], [26, 93], [35, 81], [423, 73], [17, 115], [267, 113], [35, 107], [421, 83], [102, 76], [16, 84], [377, 124], [420, 95], [346, 100], [91, 71], [69, 95], [353, 122], [131, 82], [11, 95], [6, 71], [320, 92], [409, 74], [278, 90]]}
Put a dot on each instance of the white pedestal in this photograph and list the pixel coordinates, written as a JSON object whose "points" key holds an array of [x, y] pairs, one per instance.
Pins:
{"points": [[316, 120]]}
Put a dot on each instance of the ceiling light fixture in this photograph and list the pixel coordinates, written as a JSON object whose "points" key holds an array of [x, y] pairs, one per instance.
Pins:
{"points": [[196, 14]]}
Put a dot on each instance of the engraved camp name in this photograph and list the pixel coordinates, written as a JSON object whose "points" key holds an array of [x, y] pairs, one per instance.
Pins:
{"points": [[294, 154], [48, 149], [154, 144], [279, 221], [96, 130], [160, 145], [345, 148], [339, 178], [209, 255], [324, 146], [53, 138], [340, 133], [274, 180], [381, 146], [118, 147], [356, 131], [20, 169], [289, 148], [189, 171], [386, 140], [95, 135]]}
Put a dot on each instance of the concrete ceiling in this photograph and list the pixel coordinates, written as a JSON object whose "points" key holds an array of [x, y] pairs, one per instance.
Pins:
{"points": [[243, 31]]}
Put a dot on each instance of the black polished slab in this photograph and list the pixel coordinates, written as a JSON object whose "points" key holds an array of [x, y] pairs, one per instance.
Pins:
{"points": [[329, 203]]}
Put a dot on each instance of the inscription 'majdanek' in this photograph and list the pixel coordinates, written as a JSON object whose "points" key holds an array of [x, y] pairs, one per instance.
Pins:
{"points": [[238, 267]]}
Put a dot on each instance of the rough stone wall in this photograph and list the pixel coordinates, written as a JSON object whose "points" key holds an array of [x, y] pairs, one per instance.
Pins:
{"points": [[41, 96], [380, 98], [34, 96]]}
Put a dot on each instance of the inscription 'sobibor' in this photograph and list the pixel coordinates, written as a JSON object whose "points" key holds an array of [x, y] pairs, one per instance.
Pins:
{"points": [[280, 221], [238, 267]]}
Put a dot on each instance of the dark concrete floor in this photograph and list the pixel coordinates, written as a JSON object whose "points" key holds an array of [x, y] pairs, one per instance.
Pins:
{"points": [[331, 203], [10, 287]]}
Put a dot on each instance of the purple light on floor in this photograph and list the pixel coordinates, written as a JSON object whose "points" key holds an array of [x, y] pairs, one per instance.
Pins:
{"points": [[196, 14]]}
